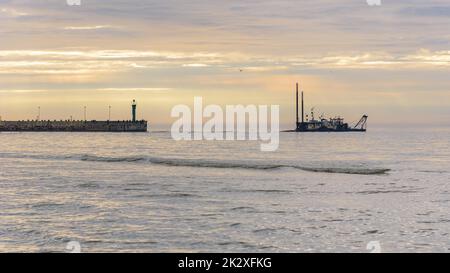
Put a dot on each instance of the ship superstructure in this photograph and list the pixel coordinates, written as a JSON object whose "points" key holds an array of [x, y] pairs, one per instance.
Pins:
{"points": [[337, 124]]}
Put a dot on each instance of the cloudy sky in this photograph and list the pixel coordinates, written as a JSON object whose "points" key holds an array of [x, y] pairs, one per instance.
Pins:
{"points": [[391, 62]]}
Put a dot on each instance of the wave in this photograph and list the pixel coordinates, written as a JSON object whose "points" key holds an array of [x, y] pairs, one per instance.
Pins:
{"points": [[222, 164], [204, 163], [111, 159], [344, 170]]}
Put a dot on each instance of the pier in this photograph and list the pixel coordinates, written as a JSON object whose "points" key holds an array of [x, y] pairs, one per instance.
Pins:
{"points": [[37, 125]]}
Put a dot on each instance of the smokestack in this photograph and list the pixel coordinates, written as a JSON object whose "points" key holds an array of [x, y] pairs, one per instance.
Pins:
{"points": [[297, 106]]}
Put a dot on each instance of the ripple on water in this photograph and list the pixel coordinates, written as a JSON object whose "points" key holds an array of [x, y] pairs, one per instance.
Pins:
{"points": [[244, 209], [89, 185], [168, 195], [47, 205]]}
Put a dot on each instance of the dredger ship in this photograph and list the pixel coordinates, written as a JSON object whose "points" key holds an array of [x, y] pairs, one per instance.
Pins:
{"points": [[38, 125], [337, 124]]}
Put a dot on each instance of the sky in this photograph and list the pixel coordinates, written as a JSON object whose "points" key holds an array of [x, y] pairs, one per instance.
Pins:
{"points": [[391, 62]]}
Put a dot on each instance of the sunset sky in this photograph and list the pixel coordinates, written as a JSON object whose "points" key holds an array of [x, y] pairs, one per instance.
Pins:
{"points": [[391, 62]]}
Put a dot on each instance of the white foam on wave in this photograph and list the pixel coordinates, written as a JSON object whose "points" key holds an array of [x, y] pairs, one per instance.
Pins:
{"points": [[205, 163], [222, 164]]}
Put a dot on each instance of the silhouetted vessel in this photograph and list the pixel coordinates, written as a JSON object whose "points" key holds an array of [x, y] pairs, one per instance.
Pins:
{"points": [[38, 125], [326, 125]]}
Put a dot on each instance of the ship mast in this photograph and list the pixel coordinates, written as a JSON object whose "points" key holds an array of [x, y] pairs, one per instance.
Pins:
{"points": [[297, 105], [303, 111]]}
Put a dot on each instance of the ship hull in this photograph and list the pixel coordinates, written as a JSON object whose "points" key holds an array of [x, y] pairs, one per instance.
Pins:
{"points": [[325, 131], [325, 126], [328, 131]]}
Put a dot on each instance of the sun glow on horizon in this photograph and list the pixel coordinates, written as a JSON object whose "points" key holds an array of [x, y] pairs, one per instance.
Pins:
{"points": [[166, 53]]}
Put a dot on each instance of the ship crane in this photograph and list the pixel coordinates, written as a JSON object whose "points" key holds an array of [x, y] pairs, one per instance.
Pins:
{"points": [[336, 124], [361, 123]]}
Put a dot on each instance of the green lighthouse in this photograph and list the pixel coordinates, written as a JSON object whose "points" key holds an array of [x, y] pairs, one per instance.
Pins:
{"points": [[133, 110]]}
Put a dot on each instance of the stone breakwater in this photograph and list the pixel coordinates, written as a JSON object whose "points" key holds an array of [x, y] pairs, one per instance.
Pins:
{"points": [[73, 126]]}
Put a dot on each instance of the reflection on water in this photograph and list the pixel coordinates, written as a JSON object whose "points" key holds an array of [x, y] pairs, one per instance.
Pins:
{"points": [[145, 192]]}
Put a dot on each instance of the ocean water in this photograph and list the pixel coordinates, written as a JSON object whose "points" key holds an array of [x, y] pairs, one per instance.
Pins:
{"points": [[320, 192]]}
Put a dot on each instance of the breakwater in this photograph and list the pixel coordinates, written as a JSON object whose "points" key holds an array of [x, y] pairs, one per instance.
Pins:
{"points": [[73, 126]]}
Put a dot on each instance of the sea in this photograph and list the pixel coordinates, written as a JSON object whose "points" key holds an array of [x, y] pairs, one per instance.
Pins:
{"points": [[387, 190]]}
